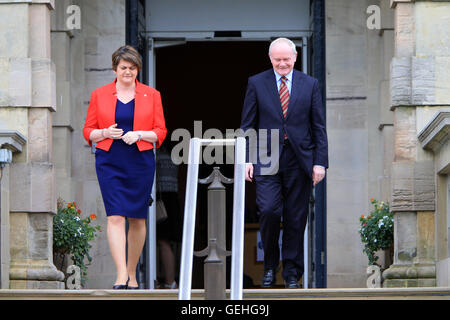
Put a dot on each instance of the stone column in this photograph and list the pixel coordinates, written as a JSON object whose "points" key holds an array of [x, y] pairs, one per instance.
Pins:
{"points": [[63, 51], [419, 86], [27, 100], [435, 137], [10, 142]]}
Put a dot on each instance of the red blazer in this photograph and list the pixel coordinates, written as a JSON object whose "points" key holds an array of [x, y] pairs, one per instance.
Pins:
{"points": [[148, 114]]}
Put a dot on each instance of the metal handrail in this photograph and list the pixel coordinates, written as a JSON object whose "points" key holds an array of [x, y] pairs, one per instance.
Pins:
{"points": [[237, 258], [190, 205], [187, 248], [151, 234]]}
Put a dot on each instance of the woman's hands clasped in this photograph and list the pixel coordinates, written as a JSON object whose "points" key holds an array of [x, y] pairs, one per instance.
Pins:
{"points": [[130, 137], [112, 132], [116, 133]]}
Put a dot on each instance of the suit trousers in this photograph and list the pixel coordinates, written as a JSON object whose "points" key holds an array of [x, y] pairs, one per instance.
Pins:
{"points": [[284, 197]]}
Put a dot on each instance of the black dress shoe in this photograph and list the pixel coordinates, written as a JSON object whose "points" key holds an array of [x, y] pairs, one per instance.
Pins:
{"points": [[268, 279], [292, 283]]}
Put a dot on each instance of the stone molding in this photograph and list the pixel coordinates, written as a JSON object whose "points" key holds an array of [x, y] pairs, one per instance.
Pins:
{"points": [[12, 140], [414, 81], [44, 83], [50, 3], [416, 275], [436, 133], [410, 271], [413, 187], [31, 82], [28, 269], [394, 2], [37, 187], [16, 90]]}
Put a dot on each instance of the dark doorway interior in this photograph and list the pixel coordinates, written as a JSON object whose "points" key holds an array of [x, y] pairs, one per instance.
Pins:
{"points": [[206, 81]]}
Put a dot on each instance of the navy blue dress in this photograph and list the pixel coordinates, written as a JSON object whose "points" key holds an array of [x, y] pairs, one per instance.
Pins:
{"points": [[124, 173]]}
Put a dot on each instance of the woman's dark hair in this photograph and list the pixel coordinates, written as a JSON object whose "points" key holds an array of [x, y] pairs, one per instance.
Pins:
{"points": [[127, 53]]}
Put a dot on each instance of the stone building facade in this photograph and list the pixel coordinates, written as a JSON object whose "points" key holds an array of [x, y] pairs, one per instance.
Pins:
{"points": [[387, 100], [419, 97]]}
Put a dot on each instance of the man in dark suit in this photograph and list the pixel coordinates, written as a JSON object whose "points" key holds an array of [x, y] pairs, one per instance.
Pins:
{"points": [[288, 102]]}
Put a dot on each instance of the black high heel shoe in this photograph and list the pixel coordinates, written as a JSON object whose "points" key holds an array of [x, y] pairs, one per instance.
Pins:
{"points": [[132, 288], [121, 286]]}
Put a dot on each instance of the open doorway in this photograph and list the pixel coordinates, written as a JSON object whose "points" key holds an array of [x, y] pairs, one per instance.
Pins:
{"points": [[206, 81]]}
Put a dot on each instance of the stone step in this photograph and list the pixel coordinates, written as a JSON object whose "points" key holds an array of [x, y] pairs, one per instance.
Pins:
{"points": [[431, 293]]}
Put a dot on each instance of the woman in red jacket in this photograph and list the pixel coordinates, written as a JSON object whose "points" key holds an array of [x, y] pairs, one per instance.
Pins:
{"points": [[124, 119]]}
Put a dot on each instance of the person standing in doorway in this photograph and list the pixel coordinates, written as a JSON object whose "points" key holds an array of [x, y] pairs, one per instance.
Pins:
{"points": [[287, 101], [124, 119], [169, 231]]}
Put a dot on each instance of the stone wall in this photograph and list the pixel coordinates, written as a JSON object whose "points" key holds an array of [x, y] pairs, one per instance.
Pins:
{"points": [[359, 123], [83, 63], [419, 90], [49, 70], [27, 102], [434, 137], [4, 228], [384, 87]]}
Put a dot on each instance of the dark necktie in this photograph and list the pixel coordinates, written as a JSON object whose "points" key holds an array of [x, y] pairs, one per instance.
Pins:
{"points": [[284, 96]]}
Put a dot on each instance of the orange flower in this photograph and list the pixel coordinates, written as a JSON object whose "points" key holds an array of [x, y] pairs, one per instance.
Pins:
{"points": [[371, 199], [93, 216], [362, 216]]}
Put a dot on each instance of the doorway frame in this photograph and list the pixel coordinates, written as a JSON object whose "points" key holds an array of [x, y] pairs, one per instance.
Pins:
{"points": [[154, 41], [138, 36]]}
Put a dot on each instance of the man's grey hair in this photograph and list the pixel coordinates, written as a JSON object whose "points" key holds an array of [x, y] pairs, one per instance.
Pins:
{"points": [[283, 40]]}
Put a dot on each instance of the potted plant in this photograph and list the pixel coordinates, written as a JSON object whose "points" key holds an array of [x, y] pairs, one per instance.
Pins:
{"points": [[72, 236], [377, 231]]}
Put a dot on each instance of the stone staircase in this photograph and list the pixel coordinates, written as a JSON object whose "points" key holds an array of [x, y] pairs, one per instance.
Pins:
{"points": [[431, 293]]}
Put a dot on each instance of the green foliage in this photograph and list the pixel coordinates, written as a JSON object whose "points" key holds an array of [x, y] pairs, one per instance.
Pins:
{"points": [[377, 230], [72, 234]]}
